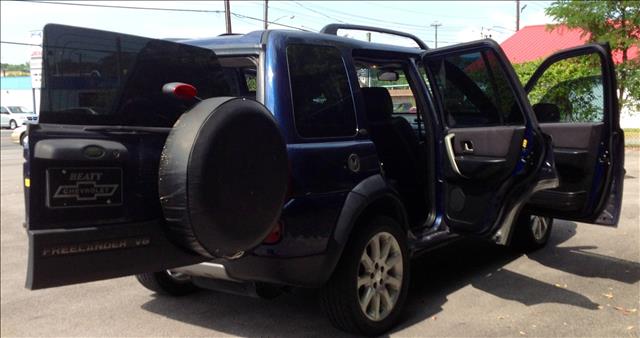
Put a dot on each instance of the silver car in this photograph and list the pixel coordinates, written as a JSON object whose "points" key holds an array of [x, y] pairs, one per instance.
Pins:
{"points": [[14, 116]]}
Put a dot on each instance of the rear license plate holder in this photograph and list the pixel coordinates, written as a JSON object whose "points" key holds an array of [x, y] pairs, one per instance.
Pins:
{"points": [[84, 187]]}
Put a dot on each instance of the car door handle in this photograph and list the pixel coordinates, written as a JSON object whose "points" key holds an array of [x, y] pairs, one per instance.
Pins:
{"points": [[448, 143], [467, 146]]}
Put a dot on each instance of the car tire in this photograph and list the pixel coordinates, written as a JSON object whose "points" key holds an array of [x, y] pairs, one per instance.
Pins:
{"points": [[13, 125], [167, 283], [532, 232], [368, 298], [22, 137]]}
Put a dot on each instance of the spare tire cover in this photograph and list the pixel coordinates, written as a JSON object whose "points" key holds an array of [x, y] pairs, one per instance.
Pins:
{"points": [[223, 176]]}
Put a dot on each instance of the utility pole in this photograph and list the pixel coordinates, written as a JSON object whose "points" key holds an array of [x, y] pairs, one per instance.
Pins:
{"points": [[368, 69], [266, 14], [227, 16], [517, 15], [436, 25]]}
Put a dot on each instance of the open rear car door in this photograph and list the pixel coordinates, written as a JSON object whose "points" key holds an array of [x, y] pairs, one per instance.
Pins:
{"points": [[492, 154], [573, 94], [121, 179]]}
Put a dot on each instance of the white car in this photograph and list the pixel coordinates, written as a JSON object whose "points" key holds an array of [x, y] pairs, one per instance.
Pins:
{"points": [[14, 116]]}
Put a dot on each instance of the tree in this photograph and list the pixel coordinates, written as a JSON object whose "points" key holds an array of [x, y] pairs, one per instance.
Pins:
{"points": [[15, 70], [616, 22]]}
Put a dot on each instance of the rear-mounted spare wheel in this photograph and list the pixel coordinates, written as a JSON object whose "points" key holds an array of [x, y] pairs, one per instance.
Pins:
{"points": [[223, 176]]}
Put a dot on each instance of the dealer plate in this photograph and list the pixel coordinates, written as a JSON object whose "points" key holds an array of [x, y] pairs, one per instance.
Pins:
{"points": [[84, 187]]}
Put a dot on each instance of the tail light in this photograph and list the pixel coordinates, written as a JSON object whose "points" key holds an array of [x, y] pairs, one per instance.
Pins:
{"points": [[276, 233], [278, 228]]}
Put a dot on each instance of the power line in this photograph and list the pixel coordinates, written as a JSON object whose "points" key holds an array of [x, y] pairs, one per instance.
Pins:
{"points": [[20, 43], [318, 12], [350, 17], [270, 22], [377, 4], [159, 9], [123, 7]]}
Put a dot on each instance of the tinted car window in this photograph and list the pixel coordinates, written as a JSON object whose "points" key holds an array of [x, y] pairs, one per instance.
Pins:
{"points": [[474, 90], [570, 91], [322, 100], [97, 77]]}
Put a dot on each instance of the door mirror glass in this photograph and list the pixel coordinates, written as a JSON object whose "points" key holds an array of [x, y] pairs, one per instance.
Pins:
{"points": [[388, 76]]}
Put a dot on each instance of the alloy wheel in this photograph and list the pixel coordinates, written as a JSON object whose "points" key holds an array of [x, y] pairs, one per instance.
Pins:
{"points": [[539, 227], [380, 274]]}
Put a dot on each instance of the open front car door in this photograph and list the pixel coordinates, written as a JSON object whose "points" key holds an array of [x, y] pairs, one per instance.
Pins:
{"points": [[573, 94]]}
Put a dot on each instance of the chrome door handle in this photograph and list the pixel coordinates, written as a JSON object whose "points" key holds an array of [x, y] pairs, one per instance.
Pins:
{"points": [[467, 146], [448, 143]]}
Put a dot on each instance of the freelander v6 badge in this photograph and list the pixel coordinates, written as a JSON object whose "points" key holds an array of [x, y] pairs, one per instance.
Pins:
{"points": [[84, 187]]}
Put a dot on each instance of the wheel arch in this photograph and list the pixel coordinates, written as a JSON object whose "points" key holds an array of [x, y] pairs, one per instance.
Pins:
{"points": [[372, 196]]}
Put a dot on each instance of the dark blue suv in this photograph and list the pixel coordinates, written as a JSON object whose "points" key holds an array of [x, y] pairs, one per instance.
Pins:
{"points": [[276, 159]]}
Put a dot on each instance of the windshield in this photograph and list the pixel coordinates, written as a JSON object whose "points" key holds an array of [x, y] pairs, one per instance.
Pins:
{"points": [[19, 110]]}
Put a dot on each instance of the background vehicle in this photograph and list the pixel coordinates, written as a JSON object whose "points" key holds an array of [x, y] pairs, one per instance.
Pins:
{"points": [[268, 162], [14, 116], [19, 135]]}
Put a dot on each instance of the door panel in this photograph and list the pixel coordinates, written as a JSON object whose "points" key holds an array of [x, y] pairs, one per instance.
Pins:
{"points": [[574, 93], [495, 141], [575, 150], [486, 154], [492, 152], [481, 170]]}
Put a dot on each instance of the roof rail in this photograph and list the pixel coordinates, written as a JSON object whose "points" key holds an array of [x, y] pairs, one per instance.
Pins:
{"points": [[333, 30]]}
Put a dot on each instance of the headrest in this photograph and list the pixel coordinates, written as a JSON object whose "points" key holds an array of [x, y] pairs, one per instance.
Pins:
{"points": [[378, 103]]}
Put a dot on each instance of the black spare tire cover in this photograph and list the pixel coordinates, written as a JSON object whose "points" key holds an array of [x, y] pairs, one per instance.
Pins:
{"points": [[223, 176]]}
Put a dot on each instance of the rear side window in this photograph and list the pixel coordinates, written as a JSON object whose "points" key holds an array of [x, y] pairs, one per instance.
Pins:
{"points": [[474, 90], [322, 100]]}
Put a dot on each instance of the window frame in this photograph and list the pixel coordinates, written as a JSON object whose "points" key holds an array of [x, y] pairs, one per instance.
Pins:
{"points": [[602, 91], [349, 84], [407, 68], [435, 91]]}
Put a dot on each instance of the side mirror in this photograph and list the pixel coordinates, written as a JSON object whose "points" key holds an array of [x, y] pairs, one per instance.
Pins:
{"points": [[181, 91], [388, 76]]}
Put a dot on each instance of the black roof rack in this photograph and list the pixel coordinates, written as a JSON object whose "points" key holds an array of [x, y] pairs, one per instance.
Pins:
{"points": [[333, 30]]}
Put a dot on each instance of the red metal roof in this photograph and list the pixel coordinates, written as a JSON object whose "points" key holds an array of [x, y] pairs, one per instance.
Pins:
{"points": [[535, 42]]}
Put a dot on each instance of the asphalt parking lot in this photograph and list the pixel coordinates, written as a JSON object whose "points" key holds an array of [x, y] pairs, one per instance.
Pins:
{"points": [[586, 282]]}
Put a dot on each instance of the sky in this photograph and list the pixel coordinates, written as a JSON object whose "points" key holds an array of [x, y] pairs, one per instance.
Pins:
{"points": [[460, 21]]}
